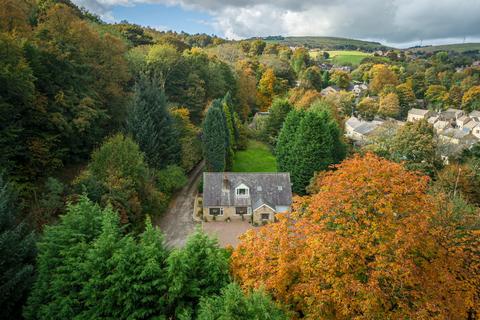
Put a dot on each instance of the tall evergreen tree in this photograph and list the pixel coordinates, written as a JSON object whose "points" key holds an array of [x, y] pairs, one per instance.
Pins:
{"points": [[278, 112], [62, 251], [17, 255], [215, 138], [152, 126], [308, 142], [286, 140], [200, 269]]}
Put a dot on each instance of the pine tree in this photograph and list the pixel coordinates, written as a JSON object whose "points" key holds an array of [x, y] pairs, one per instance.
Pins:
{"points": [[200, 269], [152, 126], [17, 253], [215, 138]]}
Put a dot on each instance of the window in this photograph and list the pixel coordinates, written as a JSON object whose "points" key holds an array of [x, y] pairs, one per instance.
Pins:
{"points": [[216, 211], [265, 216], [242, 192], [241, 210], [259, 188]]}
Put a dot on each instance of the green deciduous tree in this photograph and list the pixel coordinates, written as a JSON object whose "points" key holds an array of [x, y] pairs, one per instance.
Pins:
{"points": [[277, 114], [151, 125], [17, 253]]}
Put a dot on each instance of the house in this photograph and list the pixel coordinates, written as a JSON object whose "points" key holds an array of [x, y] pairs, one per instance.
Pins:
{"points": [[415, 114], [329, 90], [441, 125], [474, 114], [476, 131], [359, 130], [257, 197], [462, 121], [457, 136], [476, 63], [452, 114], [471, 125]]}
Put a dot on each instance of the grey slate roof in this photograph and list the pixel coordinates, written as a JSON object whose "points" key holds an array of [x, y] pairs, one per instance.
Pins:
{"points": [[219, 189], [418, 112]]}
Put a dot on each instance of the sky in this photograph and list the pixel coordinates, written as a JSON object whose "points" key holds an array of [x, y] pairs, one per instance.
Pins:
{"points": [[399, 23]]}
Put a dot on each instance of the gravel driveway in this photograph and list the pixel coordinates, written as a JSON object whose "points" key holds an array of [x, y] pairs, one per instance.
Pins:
{"points": [[177, 222]]}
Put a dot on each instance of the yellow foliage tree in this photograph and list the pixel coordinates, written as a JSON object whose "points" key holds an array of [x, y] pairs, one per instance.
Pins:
{"points": [[380, 76], [266, 89], [370, 244]]}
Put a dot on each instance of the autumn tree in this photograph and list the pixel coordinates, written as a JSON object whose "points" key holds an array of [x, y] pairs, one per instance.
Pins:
{"points": [[190, 142], [381, 75], [406, 99], [367, 108], [389, 105], [300, 60], [371, 243], [436, 96], [266, 89], [415, 144], [311, 78], [471, 99], [340, 78]]}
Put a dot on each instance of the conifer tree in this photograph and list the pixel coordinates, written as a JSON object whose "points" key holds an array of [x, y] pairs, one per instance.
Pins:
{"points": [[152, 126], [200, 269], [17, 255], [234, 304], [215, 138], [286, 141], [308, 142], [62, 251]]}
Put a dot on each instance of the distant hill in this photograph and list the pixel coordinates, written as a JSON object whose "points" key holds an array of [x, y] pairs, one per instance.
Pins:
{"points": [[458, 47], [327, 43]]}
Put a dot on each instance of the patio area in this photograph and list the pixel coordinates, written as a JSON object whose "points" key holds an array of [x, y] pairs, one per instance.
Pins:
{"points": [[227, 233]]}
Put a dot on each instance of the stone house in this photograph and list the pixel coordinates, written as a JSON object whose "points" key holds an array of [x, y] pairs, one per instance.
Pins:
{"points": [[415, 114], [254, 197], [359, 130]]}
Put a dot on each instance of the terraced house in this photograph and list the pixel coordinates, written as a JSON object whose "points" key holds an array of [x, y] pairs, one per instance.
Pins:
{"points": [[255, 197]]}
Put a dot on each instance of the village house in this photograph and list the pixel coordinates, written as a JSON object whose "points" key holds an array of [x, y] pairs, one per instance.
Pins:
{"points": [[415, 114], [254, 197], [359, 130]]}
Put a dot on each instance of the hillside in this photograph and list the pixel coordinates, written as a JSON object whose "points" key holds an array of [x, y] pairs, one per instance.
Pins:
{"points": [[327, 43], [457, 47]]}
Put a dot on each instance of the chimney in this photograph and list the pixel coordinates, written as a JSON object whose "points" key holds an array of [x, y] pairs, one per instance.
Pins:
{"points": [[226, 183]]}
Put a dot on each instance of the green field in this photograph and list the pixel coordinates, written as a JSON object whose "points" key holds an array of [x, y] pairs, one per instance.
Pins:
{"points": [[342, 57], [330, 43], [458, 47], [256, 158]]}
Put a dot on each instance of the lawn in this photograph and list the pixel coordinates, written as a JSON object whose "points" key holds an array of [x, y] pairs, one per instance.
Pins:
{"points": [[256, 158]]}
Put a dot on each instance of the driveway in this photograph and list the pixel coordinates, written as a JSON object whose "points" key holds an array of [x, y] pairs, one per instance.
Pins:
{"points": [[177, 222], [227, 233]]}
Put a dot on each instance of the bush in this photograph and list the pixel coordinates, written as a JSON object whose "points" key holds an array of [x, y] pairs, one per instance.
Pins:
{"points": [[171, 179]]}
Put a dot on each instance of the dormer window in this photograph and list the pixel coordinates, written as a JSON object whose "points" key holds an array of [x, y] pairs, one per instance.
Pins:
{"points": [[242, 191]]}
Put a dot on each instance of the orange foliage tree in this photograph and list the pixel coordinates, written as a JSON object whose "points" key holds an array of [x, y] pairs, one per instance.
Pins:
{"points": [[370, 244]]}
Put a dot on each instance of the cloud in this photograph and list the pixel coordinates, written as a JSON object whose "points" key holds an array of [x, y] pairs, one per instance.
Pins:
{"points": [[390, 21]]}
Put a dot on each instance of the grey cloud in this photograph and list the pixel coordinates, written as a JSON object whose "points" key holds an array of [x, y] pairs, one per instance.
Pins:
{"points": [[390, 21]]}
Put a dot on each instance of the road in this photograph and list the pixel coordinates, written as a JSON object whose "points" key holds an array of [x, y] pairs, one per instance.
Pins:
{"points": [[177, 222]]}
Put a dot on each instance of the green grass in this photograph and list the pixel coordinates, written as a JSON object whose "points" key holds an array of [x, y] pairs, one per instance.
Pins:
{"points": [[458, 47], [342, 57], [256, 158], [330, 43]]}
